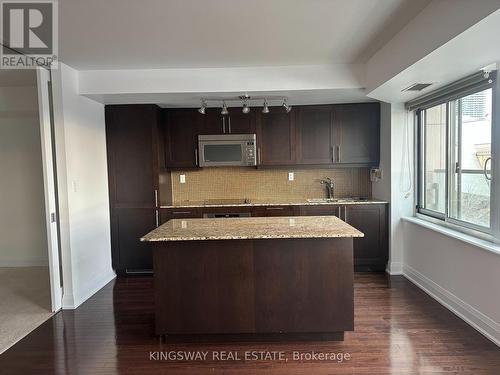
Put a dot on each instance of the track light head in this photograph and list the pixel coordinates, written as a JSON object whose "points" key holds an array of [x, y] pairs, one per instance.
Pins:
{"points": [[203, 107], [265, 108], [246, 108], [224, 110], [287, 107]]}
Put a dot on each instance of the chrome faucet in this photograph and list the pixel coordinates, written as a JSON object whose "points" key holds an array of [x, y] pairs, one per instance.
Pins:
{"points": [[330, 187]]}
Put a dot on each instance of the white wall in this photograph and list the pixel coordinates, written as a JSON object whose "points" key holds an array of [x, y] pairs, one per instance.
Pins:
{"points": [[23, 239], [83, 190], [464, 277]]}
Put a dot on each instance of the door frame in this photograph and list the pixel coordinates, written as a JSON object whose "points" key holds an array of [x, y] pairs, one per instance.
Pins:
{"points": [[49, 181]]}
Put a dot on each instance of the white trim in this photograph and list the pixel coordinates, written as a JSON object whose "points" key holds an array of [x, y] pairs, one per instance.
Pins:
{"points": [[394, 268], [482, 323], [71, 301], [471, 240]]}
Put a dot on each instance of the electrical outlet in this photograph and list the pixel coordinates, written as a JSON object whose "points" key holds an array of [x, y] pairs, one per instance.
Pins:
{"points": [[182, 178], [291, 176], [184, 224]]}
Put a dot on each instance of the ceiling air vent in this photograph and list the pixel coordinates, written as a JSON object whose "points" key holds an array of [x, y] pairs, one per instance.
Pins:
{"points": [[417, 87]]}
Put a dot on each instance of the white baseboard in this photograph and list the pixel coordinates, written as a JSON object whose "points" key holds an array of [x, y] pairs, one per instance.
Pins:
{"points": [[26, 262], [73, 300], [484, 324], [394, 268]]}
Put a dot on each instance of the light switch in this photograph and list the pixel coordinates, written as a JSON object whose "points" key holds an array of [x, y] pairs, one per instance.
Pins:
{"points": [[182, 178], [291, 176]]}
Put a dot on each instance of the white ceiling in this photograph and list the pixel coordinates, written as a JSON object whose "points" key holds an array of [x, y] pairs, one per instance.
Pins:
{"points": [[132, 34]]}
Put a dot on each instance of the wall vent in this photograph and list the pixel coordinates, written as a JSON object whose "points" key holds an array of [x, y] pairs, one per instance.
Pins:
{"points": [[417, 87]]}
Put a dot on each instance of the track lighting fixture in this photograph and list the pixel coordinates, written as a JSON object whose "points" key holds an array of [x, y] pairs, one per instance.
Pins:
{"points": [[224, 110], [265, 108], [287, 107], [246, 108], [203, 107]]}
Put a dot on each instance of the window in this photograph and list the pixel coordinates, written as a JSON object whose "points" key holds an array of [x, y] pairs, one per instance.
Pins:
{"points": [[455, 136]]}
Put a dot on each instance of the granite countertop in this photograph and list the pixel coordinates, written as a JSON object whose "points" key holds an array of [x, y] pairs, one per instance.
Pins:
{"points": [[257, 203], [252, 228]]}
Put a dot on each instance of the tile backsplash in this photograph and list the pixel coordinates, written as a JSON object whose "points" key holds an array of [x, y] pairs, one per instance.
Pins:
{"points": [[267, 184]]}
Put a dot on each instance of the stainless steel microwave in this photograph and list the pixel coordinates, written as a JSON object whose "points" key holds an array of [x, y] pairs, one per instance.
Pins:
{"points": [[224, 150]]}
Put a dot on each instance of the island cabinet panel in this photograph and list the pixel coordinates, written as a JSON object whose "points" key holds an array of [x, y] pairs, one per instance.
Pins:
{"points": [[262, 286], [304, 285], [357, 133], [276, 137], [315, 139], [372, 249], [134, 155], [181, 127], [204, 287]]}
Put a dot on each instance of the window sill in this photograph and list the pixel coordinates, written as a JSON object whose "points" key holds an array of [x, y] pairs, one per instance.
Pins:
{"points": [[471, 240]]}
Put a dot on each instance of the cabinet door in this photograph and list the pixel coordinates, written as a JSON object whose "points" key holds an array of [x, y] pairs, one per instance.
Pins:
{"points": [[129, 225], [314, 134], [212, 122], [273, 211], [133, 158], [241, 123], [179, 213], [276, 137], [357, 133], [320, 210], [181, 130], [372, 249]]}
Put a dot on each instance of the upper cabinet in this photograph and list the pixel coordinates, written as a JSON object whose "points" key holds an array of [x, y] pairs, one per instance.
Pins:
{"points": [[338, 134], [181, 128], [132, 141], [235, 122], [317, 135], [276, 137], [357, 133], [315, 140]]}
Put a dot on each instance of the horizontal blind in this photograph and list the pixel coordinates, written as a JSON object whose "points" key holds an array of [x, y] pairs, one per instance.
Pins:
{"points": [[463, 87]]}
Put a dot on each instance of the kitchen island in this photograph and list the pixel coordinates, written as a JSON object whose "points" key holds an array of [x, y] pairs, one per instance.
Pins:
{"points": [[257, 275]]}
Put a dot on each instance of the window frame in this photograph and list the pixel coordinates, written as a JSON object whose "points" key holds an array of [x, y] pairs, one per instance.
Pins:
{"points": [[490, 233]]}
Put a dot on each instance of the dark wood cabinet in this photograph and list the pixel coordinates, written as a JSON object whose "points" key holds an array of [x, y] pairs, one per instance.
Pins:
{"points": [[315, 134], [181, 127], [276, 137], [273, 211], [370, 251], [179, 213], [133, 153], [357, 133], [236, 122]]}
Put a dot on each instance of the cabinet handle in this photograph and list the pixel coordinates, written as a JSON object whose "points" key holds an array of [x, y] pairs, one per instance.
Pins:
{"points": [[229, 124], [333, 154], [157, 218], [196, 157], [259, 157], [156, 198], [339, 158], [223, 124], [275, 208], [181, 212], [345, 213]]}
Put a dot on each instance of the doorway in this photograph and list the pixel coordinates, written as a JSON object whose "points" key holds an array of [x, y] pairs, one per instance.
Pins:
{"points": [[30, 288]]}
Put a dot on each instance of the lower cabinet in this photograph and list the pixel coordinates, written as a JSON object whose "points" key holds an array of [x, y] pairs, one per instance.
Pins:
{"points": [[273, 211], [130, 255], [179, 213], [372, 250]]}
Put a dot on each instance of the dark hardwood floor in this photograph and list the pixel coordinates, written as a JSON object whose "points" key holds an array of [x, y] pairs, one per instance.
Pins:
{"points": [[398, 330]]}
